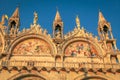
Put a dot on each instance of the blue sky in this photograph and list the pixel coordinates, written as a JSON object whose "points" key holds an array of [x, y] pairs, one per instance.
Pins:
{"points": [[46, 9]]}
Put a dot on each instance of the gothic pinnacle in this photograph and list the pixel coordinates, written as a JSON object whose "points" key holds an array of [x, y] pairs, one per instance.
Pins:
{"points": [[16, 13], [101, 17], [57, 17]]}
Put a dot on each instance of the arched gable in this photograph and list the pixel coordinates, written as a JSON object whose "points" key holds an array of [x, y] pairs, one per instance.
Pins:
{"points": [[82, 46], [32, 44]]}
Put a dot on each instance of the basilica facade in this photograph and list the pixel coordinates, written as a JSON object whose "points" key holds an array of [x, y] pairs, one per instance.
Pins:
{"points": [[33, 54]]}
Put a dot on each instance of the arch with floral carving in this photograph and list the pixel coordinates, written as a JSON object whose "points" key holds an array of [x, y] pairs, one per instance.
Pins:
{"points": [[31, 43]]}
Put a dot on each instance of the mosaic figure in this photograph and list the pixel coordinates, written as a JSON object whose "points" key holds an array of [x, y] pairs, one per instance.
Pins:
{"points": [[80, 49], [32, 46]]}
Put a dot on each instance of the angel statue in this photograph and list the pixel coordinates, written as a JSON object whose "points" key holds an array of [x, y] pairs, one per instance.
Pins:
{"points": [[35, 18]]}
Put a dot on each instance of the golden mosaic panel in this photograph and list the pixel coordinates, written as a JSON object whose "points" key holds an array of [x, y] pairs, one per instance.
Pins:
{"points": [[81, 48], [32, 47]]}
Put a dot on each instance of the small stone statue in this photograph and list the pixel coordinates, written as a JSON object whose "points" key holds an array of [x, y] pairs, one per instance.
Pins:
{"points": [[35, 18], [2, 27], [58, 34], [78, 22], [11, 31]]}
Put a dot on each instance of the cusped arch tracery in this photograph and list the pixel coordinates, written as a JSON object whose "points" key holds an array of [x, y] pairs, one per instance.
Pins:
{"points": [[82, 47], [32, 45]]}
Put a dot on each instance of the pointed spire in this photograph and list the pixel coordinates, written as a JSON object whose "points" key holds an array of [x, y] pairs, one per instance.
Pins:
{"points": [[77, 21], [57, 17], [15, 17], [16, 13], [14, 22], [101, 17]]}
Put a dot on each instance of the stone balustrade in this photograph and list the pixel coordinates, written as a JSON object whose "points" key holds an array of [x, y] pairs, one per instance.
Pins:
{"points": [[58, 64]]}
